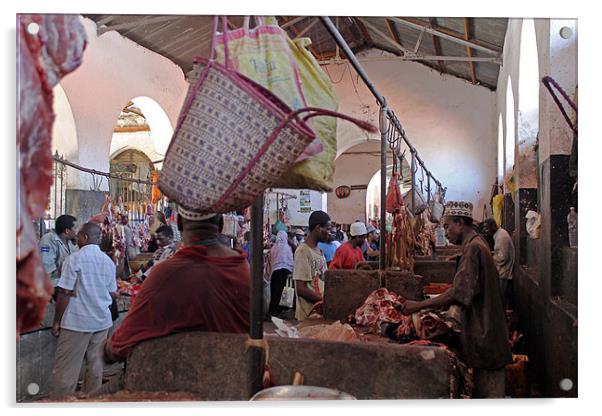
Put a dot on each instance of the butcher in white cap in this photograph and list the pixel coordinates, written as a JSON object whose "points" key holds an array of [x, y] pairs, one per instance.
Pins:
{"points": [[350, 253]]}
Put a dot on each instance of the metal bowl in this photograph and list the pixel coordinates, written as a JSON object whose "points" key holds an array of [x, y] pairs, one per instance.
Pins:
{"points": [[301, 393]]}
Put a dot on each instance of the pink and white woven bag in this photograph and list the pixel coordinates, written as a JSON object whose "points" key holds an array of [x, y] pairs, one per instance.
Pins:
{"points": [[233, 140]]}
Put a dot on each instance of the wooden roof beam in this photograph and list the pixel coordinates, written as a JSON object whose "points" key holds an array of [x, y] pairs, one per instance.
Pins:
{"points": [[291, 22], [397, 46], [473, 75], [309, 26], [437, 44], [450, 35], [360, 24], [394, 32], [105, 20], [133, 24]]}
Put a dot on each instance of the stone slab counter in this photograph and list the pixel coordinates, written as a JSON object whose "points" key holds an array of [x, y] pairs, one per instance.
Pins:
{"points": [[436, 271], [216, 367], [406, 284], [346, 290]]}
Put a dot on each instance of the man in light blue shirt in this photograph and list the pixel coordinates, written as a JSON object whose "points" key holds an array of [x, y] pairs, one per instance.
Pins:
{"points": [[56, 245], [329, 248], [82, 318]]}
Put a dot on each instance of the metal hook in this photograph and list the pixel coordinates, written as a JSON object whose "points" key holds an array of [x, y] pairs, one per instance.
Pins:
{"points": [[95, 185]]}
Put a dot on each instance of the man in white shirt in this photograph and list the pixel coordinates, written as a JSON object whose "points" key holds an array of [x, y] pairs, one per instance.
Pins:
{"points": [[503, 256], [82, 318]]}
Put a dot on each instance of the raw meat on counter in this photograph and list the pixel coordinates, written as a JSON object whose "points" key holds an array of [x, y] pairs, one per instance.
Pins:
{"points": [[381, 312], [48, 48], [381, 306]]}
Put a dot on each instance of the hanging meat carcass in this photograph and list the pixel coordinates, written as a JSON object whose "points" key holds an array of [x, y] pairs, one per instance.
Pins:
{"points": [[48, 48], [400, 241], [424, 232]]}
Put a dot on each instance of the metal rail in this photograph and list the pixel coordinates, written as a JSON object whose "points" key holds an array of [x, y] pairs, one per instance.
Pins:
{"points": [[99, 173], [381, 100]]}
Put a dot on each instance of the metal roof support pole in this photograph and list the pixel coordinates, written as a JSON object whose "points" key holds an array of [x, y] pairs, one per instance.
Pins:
{"points": [[383, 185], [381, 100], [256, 301]]}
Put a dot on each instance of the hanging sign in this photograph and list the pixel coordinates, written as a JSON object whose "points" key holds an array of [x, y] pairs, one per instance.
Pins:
{"points": [[342, 191], [304, 201]]}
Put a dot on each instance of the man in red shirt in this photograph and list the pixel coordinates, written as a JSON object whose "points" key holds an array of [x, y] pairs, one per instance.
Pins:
{"points": [[204, 286], [350, 253]]}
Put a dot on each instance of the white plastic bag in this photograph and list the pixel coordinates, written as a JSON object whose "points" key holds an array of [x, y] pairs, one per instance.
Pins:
{"points": [[288, 294], [436, 208], [533, 224]]}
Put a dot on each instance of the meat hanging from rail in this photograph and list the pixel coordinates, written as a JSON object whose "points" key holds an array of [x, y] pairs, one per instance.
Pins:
{"points": [[401, 240], [48, 48]]}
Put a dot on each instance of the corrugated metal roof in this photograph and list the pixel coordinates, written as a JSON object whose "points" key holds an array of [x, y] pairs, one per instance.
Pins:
{"points": [[182, 37]]}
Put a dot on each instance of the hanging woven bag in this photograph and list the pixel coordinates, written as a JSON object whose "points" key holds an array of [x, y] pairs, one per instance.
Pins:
{"points": [[234, 139]]}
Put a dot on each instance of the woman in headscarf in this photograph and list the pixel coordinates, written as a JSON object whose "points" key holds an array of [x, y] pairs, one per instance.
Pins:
{"points": [[281, 256]]}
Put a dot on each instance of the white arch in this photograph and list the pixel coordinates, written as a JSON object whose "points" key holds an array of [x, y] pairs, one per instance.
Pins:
{"points": [[152, 143], [528, 107], [528, 82], [158, 121], [373, 192], [510, 141], [351, 143], [500, 151], [64, 130]]}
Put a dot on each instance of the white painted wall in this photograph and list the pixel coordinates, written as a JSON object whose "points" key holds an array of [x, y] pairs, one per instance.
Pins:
{"points": [[558, 58], [452, 124], [563, 68], [114, 71]]}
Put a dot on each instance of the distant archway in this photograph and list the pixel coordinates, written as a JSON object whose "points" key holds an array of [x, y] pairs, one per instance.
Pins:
{"points": [[140, 138], [160, 126], [354, 167], [373, 192], [142, 125], [132, 164]]}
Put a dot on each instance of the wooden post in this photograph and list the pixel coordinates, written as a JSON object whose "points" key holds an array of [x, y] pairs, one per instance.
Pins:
{"points": [[256, 297]]}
